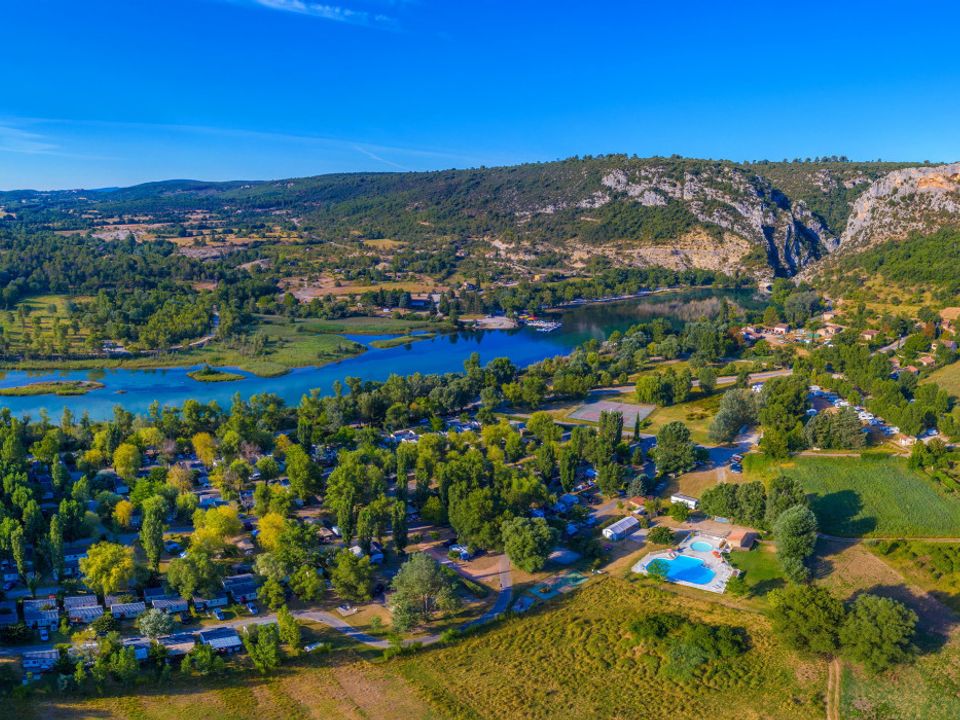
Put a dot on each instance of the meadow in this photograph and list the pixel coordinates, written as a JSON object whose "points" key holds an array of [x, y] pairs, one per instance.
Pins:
{"points": [[947, 377], [575, 659], [873, 495]]}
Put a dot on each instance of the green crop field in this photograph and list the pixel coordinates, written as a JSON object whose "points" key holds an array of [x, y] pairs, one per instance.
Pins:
{"points": [[577, 660], [948, 378], [872, 495]]}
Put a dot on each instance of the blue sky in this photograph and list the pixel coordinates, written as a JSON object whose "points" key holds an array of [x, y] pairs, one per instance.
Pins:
{"points": [[113, 92]]}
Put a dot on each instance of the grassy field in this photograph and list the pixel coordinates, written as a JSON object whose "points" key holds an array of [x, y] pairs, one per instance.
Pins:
{"points": [[576, 660], [696, 414], [948, 378], [39, 312], [872, 495], [929, 689]]}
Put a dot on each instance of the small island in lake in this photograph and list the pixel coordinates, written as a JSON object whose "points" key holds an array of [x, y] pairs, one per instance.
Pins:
{"points": [[211, 374], [52, 387]]}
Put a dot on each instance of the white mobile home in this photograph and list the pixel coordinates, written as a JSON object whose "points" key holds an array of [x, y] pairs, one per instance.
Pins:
{"points": [[621, 528]]}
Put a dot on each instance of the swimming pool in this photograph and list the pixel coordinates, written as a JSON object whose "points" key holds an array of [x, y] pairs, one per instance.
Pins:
{"points": [[686, 569], [701, 546]]}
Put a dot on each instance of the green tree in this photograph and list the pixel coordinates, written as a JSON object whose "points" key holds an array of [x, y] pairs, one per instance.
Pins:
{"points": [[307, 584], [783, 493], [421, 588], [302, 472], [674, 452], [289, 628], [151, 529], [262, 643], [127, 461], [271, 593], [527, 542], [352, 576], [808, 618], [203, 660], [679, 512], [796, 534], [154, 623], [660, 535], [707, 378], [878, 632], [108, 567]]}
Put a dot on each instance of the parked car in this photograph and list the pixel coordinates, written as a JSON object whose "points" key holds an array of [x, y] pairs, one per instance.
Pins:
{"points": [[44, 634], [252, 608], [218, 614], [736, 468]]}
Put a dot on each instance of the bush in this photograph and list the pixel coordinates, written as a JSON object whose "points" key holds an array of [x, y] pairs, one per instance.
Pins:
{"points": [[660, 535]]}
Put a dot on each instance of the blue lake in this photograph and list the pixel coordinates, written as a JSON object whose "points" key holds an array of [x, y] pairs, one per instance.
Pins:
{"points": [[135, 390]]}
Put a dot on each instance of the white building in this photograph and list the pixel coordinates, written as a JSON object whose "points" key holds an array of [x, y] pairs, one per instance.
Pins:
{"points": [[690, 502], [621, 528]]}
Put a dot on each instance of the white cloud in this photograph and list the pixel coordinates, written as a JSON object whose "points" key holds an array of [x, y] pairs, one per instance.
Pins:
{"points": [[336, 13], [16, 140]]}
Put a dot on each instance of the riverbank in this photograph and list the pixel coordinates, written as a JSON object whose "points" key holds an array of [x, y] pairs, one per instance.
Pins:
{"points": [[287, 345], [63, 388]]}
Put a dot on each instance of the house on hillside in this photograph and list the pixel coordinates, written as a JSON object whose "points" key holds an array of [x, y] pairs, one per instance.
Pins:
{"points": [[927, 361], [870, 335], [949, 317], [781, 329]]}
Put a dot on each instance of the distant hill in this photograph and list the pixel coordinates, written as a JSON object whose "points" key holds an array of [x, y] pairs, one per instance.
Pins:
{"points": [[762, 219]]}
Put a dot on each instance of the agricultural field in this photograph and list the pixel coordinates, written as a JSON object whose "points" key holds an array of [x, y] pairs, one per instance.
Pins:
{"points": [[867, 496], [947, 377], [576, 659]]}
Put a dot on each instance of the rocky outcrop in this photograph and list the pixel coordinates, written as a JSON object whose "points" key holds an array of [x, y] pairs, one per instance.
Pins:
{"points": [[920, 199], [745, 205]]}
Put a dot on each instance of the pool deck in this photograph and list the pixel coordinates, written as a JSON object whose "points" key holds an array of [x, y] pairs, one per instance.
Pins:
{"points": [[722, 570]]}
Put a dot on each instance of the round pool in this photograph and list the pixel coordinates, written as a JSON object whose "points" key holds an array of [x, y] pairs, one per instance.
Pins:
{"points": [[701, 546]]}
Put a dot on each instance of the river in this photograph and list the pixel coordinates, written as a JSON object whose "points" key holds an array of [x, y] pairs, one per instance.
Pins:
{"points": [[135, 390]]}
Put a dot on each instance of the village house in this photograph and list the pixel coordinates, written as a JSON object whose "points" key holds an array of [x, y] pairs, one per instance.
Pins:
{"points": [[870, 335], [927, 361], [224, 640], [948, 318], [41, 612], [216, 600], [128, 610], [242, 588], [781, 329], [178, 644], [40, 660], [690, 502]]}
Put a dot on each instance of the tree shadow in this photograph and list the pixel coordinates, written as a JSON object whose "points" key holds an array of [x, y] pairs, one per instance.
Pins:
{"points": [[838, 513], [936, 620]]}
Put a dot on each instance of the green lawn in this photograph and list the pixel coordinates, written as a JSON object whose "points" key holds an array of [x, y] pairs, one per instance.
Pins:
{"points": [[762, 572], [872, 495], [697, 414]]}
